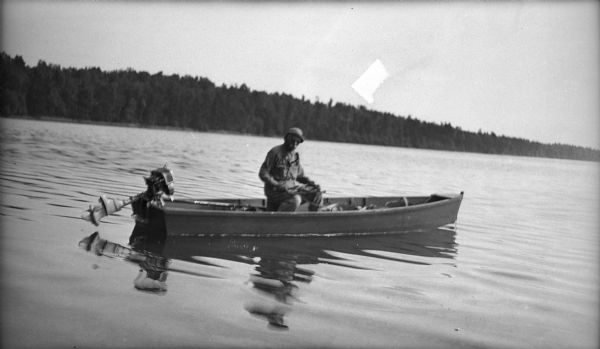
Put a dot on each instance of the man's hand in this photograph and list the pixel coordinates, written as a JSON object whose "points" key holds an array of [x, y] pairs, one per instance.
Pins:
{"points": [[290, 188], [294, 188], [314, 185]]}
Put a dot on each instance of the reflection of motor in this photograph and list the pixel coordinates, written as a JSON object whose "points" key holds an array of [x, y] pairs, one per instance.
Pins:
{"points": [[153, 268], [159, 184]]}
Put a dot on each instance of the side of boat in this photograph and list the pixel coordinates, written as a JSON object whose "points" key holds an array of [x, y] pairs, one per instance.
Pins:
{"points": [[348, 215]]}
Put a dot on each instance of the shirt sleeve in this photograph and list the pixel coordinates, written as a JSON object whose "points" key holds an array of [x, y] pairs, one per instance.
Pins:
{"points": [[265, 170]]}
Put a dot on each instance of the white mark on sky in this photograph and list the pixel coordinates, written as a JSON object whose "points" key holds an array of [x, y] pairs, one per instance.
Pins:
{"points": [[370, 80]]}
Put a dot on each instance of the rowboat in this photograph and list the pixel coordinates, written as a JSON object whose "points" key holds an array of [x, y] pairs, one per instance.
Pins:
{"points": [[351, 215], [159, 218]]}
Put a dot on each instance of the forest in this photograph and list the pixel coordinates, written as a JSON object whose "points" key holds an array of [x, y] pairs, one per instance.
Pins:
{"points": [[196, 103]]}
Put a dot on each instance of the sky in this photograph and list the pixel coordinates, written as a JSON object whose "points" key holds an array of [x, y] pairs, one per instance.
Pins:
{"points": [[520, 69]]}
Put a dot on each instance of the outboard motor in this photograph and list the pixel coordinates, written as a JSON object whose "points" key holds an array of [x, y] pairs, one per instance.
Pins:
{"points": [[159, 185], [150, 232]]}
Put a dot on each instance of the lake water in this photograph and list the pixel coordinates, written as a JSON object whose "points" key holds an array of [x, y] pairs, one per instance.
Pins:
{"points": [[519, 270]]}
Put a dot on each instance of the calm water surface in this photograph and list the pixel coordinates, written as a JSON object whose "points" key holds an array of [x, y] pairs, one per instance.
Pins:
{"points": [[520, 269]]}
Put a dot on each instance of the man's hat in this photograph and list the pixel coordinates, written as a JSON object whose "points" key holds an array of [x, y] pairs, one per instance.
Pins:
{"points": [[296, 132]]}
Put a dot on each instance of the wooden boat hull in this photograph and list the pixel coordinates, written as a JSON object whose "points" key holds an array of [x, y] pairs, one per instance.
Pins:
{"points": [[200, 218]]}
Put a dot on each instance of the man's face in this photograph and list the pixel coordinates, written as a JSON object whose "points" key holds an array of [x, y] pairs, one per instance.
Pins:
{"points": [[292, 142]]}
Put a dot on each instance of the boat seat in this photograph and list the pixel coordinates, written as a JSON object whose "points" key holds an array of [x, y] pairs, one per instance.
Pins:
{"points": [[397, 203], [366, 207], [331, 208]]}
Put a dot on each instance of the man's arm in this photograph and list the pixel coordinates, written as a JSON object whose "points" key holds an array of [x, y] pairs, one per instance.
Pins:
{"points": [[265, 169]]}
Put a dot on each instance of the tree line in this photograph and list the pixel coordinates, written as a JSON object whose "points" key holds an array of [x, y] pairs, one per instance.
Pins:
{"points": [[139, 98]]}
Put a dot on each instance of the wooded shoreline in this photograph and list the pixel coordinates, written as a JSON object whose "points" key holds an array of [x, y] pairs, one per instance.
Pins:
{"points": [[139, 99]]}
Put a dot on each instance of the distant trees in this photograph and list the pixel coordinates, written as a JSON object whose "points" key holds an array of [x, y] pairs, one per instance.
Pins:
{"points": [[139, 98]]}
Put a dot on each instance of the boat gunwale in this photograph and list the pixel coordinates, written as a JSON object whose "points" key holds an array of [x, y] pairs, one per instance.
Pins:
{"points": [[311, 214]]}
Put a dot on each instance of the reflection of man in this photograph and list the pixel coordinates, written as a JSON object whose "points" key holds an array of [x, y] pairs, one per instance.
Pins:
{"points": [[275, 280], [286, 186]]}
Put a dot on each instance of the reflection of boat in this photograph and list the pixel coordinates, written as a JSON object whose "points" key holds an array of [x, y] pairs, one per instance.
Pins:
{"points": [[435, 243], [280, 263], [340, 215], [283, 264]]}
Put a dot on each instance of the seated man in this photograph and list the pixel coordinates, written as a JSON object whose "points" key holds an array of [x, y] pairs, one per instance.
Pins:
{"points": [[286, 186]]}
